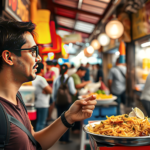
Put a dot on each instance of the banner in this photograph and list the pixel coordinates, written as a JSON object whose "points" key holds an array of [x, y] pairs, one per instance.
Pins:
{"points": [[18, 9], [141, 22], [72, 38]]}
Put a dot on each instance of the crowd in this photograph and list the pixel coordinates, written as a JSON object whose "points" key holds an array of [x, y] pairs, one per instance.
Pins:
{"points": [[20, 62], [59, 85]]}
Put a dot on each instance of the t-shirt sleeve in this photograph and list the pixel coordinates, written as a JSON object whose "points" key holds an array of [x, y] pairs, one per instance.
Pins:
{"points": [[110, 75], [71, 86], [76, 79], [43, 83]]}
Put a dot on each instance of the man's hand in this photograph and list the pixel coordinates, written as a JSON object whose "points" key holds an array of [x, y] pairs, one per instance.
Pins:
{"points": [[43, 92], [81, 109]]}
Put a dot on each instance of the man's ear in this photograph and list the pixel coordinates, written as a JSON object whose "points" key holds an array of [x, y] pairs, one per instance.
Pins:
{"points": [[7, 57]]}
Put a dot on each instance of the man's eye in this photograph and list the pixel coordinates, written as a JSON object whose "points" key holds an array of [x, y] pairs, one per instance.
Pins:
{"points": [[33, 53]]}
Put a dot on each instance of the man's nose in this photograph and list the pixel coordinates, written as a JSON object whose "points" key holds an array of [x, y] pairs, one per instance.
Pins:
{"points": [[38, 58]]}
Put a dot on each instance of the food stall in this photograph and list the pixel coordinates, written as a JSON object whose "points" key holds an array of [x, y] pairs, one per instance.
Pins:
{"points": [[28, 95], [141, 41], [16, 9]]}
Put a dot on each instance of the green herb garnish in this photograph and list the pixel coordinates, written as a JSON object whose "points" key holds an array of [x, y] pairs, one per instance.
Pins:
{"points": [[133, 128]]}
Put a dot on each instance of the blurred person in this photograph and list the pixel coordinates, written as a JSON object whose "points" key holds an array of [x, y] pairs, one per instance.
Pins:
{"points": [[19, 57], [78, 85], [117, 83], [145, 96], [56, 69], [50, 74], [86, 77], [94, 72], [63, 106], [71, 70], [99, 73], [42, 97], [82, 65]]}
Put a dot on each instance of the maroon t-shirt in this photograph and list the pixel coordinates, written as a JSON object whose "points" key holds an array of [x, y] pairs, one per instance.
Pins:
{"points": [[18, 140]]}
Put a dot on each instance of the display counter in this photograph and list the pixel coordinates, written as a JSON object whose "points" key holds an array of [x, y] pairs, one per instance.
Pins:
{"points": [[138, 89], [28, 96], [102, 146]]}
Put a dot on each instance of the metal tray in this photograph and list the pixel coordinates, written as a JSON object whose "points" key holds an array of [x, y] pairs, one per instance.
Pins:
{"points": [[118, 141]]}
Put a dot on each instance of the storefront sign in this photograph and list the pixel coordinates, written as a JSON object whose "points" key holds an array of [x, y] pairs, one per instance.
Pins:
{"points": [[18, 9], [141, 22], [72, 38]]}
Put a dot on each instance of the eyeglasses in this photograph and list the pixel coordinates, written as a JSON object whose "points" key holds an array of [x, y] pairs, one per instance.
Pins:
{"points": [[34, 49]]}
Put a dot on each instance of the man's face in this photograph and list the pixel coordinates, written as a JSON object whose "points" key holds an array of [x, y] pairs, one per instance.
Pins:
{"points": [[25, 66], [48, 67], [82, 73]]}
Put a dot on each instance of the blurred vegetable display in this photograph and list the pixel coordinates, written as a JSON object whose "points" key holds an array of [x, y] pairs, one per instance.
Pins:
{"points": [[100, 92]]}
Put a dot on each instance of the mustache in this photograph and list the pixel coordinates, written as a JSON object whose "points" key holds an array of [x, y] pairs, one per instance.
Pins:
{"points": [[35, 65]]}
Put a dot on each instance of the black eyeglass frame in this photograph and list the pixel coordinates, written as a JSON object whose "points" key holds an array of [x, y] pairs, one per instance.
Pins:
{"points": [[35, 48]]}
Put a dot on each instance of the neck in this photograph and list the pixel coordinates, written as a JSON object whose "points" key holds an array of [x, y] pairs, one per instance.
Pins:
{"points": [[77, 73], [9, 86], [40, 74]]}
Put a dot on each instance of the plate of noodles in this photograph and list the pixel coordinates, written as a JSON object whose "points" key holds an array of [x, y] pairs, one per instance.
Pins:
{"points": [[125, 130]]}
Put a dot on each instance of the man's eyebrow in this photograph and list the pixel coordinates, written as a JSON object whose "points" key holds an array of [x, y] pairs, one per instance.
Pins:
{"points": [[34, 46]]}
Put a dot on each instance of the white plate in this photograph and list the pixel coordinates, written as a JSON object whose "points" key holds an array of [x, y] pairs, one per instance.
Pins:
{"points": [[106, 101], [103, 101]]}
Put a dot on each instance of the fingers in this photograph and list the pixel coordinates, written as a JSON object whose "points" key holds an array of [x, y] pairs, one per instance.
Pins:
{"points": [[88, 101], [91, 107], [88, 111], [92, 97]]}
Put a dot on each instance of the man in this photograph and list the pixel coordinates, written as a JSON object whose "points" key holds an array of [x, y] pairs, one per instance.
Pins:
{"points": [[78, 85], [86, 77], [42, 96], [77, 78], [50, 74], [55, 68], [70, 90], [99, 73], [117, 83], [71, 70], [145, 97], [19, 57], [53, 73]]}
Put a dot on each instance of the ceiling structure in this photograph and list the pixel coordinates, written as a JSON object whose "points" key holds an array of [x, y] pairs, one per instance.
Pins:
{"points": [[78, 16]]}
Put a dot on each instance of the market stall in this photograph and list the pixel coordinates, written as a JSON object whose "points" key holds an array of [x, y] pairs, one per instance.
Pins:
{"points": [[27, 92], [140, 35]]}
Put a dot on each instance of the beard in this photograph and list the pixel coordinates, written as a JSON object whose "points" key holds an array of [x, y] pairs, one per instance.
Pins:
{"points": [[31, 78], [21, 72]]}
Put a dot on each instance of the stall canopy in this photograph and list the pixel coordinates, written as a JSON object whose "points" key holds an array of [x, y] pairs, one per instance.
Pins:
{"points": [[78, 16]]}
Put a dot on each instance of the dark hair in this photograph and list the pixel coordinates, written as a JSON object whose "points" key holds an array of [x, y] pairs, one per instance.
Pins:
{"points": [[11, 35], [40, 66], [99, 66], [81, 68], [63, 69], [72, 66], [50, 63]]}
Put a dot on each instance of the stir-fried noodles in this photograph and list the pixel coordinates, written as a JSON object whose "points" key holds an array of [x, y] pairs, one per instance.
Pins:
{"points": [[123, 126]]}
